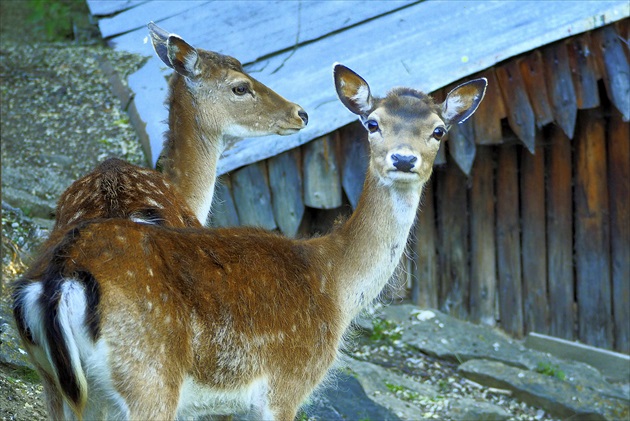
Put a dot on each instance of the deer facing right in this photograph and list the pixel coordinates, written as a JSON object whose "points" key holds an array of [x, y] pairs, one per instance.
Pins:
{"points": [[211, 100], [150, 322]]}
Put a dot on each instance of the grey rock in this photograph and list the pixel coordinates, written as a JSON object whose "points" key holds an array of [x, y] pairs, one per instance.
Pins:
{"points": [[561, 398], [472, 410], [345, 399], [11, 351], [446, 337], [378, 383], [35, 190]]}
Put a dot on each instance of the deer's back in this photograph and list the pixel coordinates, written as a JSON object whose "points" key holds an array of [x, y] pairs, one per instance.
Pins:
{"points": [[118, 189]]}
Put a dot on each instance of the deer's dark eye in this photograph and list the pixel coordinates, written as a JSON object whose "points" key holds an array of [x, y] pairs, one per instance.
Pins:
{"points": [[371, 125], [439, 133], [240, 90]]}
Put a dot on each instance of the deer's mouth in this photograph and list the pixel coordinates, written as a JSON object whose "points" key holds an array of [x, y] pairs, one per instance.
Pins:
{"points": [[284, 131], [403, 176]]}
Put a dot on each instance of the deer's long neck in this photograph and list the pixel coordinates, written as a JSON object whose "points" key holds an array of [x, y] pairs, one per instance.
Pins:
{"points": [[370, 244], [193, 146]]}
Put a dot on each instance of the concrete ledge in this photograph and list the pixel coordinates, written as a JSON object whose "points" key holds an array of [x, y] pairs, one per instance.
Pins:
{"points": [[613, 365]]}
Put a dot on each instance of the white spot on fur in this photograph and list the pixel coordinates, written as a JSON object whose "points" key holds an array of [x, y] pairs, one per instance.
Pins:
{"points": [[76, 216], [154, 203]]}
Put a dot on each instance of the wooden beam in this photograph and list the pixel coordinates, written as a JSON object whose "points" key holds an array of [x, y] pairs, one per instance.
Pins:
{"points": [[285, 180], [355, 156], [619, 185], [509, 242], [137, 17], [461, 145], [592, 238], [533, 71], [252, 196], [109, 7], [560, 86], [487, 118], [614, 66], [520, 112], [425, 286], [483, 276], [223, 212], [534, 255], [560, 235], [452, 208], [623, 29], [584, 71], [322, 184]]}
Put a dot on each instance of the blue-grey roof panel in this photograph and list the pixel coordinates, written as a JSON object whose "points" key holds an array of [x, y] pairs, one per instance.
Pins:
{"points": [[426, 45]]}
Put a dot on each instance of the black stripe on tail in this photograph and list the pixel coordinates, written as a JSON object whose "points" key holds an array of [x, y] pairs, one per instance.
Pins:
{"points": [[53, 277]]}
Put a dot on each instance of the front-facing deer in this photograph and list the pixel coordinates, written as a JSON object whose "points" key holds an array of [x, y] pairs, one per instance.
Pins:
{"points": [[153, 323], [211, 99]]}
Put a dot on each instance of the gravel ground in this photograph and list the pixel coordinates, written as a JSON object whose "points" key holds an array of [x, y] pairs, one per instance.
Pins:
{"points": [[59, 118]]}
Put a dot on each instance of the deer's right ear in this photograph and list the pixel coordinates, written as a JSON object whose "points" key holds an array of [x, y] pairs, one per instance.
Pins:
{"points": [[463, 101], [183, 56], [353, 90], [158, 38]]}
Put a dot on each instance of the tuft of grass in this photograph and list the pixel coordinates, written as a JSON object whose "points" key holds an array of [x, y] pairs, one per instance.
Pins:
{"points": [[402, 392], [552, 370], [385, 330], [24, 374], [53, 18]]}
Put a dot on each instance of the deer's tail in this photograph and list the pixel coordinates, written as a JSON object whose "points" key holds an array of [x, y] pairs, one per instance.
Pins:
{"points": [[57, 317]]}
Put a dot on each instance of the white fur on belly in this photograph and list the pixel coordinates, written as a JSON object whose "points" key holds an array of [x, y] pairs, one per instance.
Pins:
{"points": [[196, 399]]}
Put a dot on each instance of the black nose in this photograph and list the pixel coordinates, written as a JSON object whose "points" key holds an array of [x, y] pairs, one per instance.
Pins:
{"points": [[404, 163], [303, 116]]}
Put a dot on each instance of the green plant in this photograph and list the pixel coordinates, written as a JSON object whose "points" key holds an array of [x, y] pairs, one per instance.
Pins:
{"points": [[385, 330], [443, 386], [52, 17], [402, 392], [550, 369]]}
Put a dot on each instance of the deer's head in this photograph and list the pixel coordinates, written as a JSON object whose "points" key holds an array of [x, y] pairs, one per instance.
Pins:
{"points": [[405, 127], [240, 105]]}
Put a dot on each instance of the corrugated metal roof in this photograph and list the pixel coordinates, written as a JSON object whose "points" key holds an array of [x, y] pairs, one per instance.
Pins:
{"points": [[291, 46]]}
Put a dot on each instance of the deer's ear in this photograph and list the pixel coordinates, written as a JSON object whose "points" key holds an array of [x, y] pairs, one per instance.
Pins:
{"points": [[463, 101], [353, 90], [158, 38], [183, 56]]}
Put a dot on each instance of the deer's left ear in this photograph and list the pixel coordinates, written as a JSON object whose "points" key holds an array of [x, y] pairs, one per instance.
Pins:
{"points": [[183, 56], [463, 101], [353, 90]]}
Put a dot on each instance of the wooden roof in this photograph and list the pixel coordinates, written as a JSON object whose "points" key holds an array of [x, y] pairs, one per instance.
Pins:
{"points": [[291, 47]]}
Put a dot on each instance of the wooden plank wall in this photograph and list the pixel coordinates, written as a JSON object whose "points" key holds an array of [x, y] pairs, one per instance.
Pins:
{"points": [[525, 222]]}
